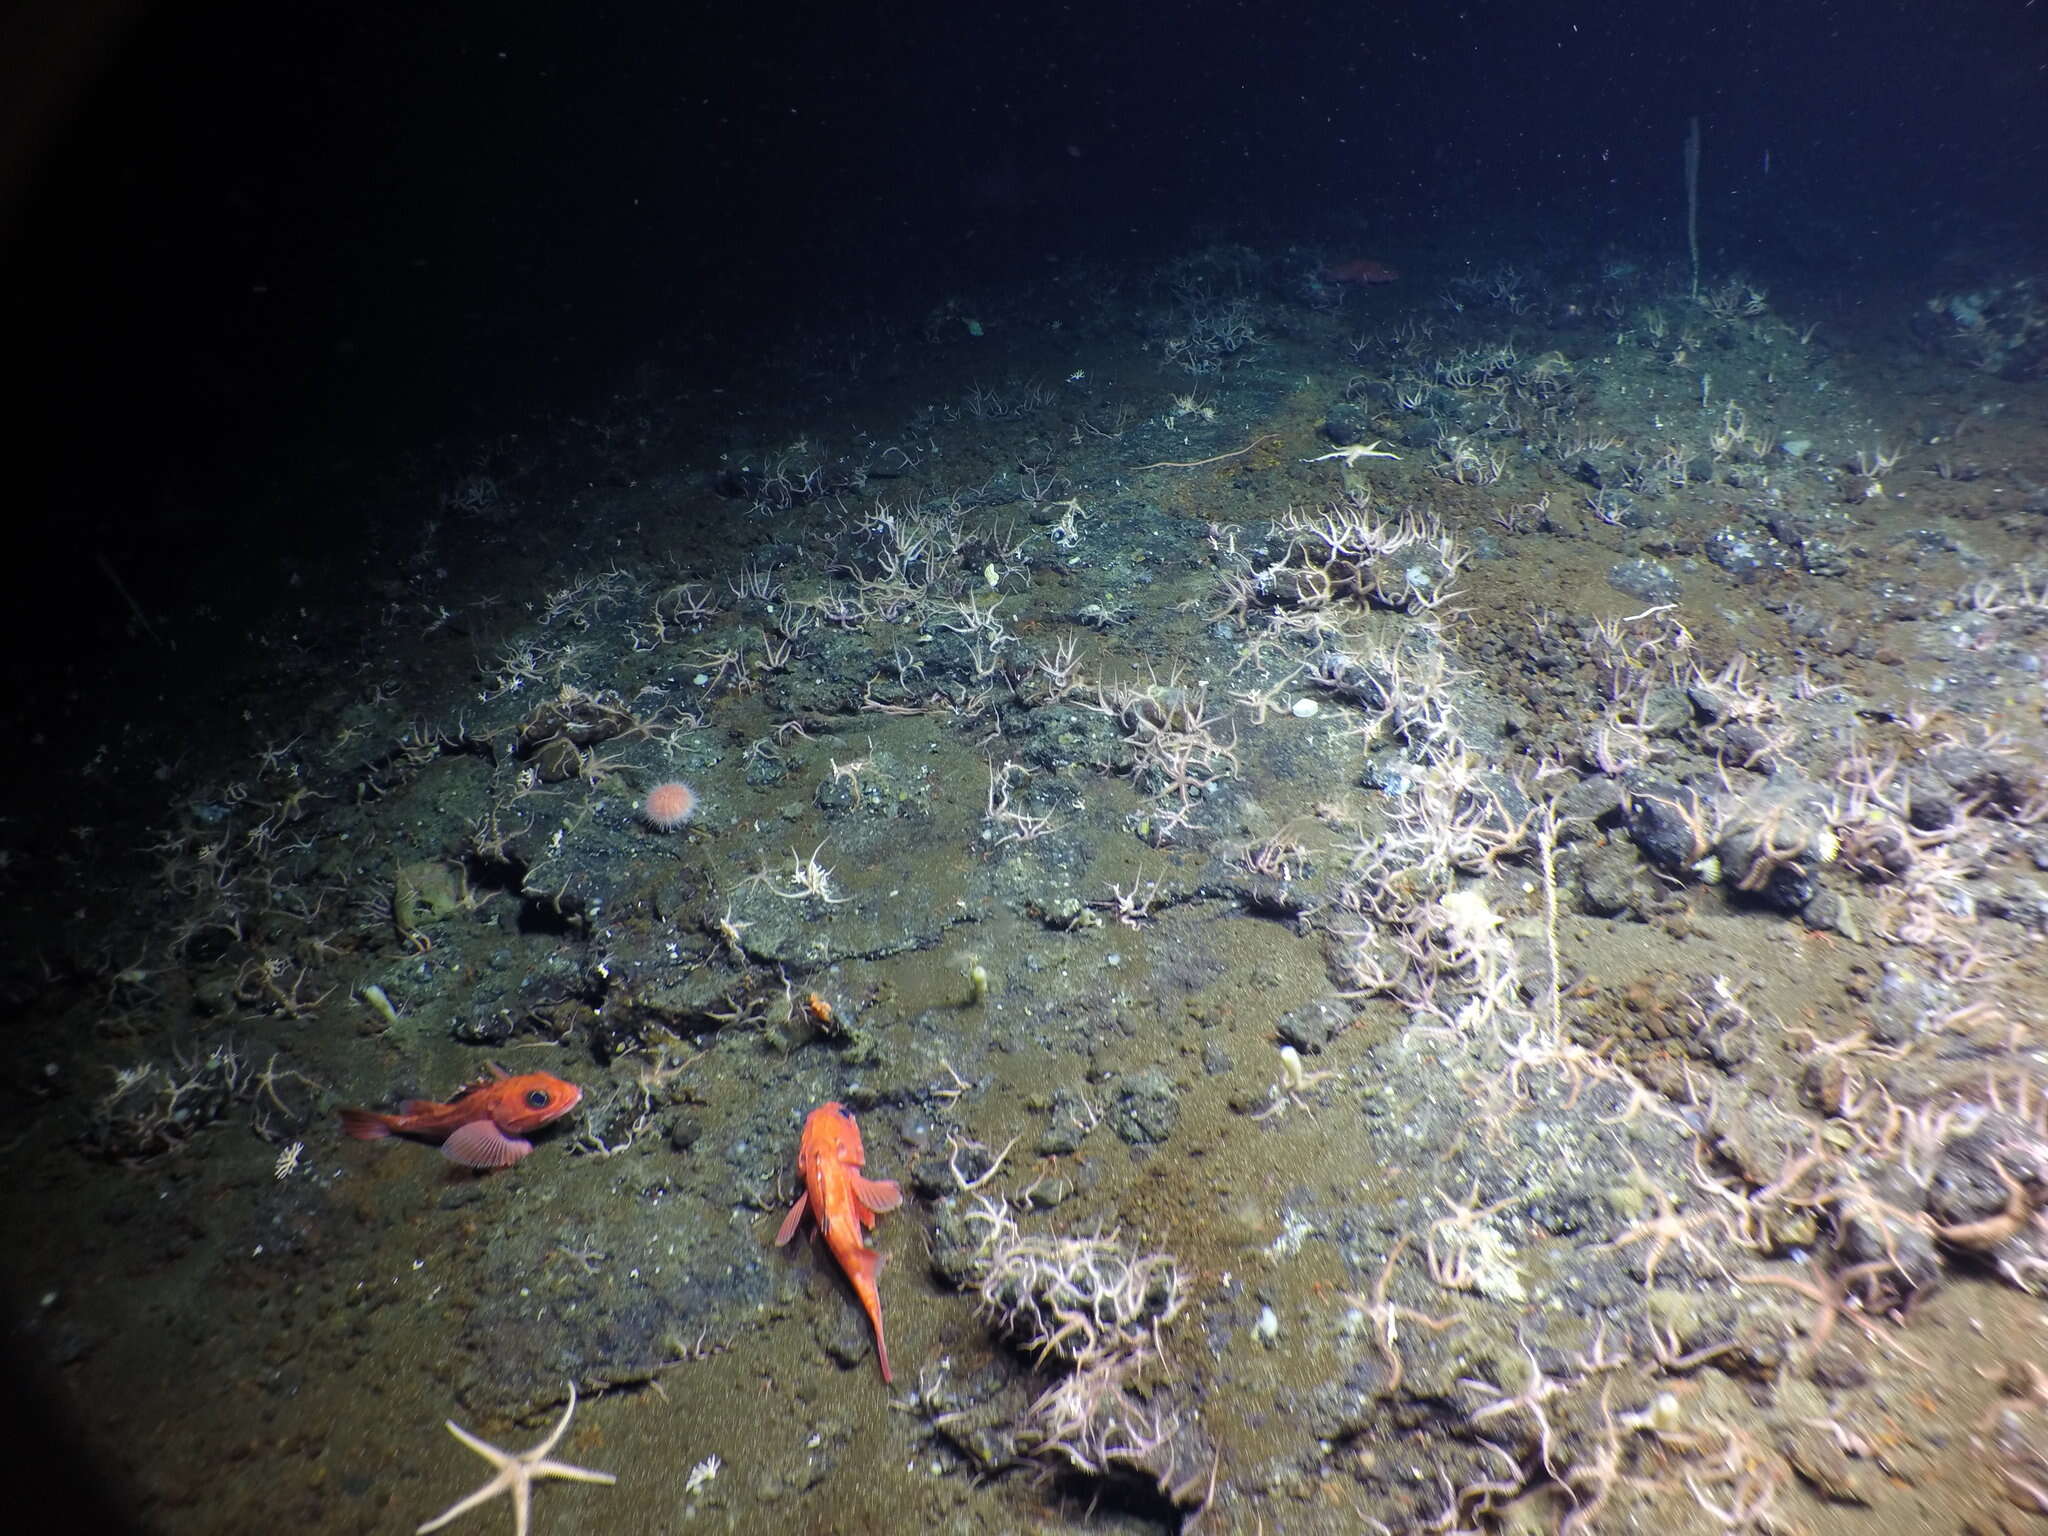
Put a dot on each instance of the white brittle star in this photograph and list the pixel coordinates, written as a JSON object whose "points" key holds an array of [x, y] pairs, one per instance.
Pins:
{"points": [[1354, 453]]}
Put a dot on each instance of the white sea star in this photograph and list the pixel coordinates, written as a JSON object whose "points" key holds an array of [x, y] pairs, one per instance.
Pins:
{"points": [[516, 1472]]}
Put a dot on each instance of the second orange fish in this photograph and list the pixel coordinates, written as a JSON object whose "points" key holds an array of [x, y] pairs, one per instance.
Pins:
{"points": [[843, 1202]]}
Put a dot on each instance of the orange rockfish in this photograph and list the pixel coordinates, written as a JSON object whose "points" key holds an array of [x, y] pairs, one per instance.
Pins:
{"points": [[483, 1126], [843, 1202]]}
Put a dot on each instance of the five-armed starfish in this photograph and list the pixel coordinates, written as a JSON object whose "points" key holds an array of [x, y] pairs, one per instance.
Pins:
{"points": [[516, 1472]]}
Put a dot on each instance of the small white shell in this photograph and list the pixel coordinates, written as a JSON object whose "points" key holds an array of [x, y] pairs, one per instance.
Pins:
{"points": [[1302, 709]]}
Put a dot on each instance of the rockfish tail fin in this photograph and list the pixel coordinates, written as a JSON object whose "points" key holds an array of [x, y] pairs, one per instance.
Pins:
{"points": [[366, 1124]]}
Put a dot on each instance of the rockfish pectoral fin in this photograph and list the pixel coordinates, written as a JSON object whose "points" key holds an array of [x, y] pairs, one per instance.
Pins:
{"points": [[793, 1220], [480, 1144], [877, 1194]]}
